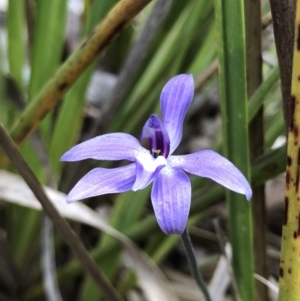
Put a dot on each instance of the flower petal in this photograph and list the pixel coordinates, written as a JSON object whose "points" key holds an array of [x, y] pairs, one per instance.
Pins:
{"points": [[116, 146], [209, 164], [147, 169], [103, 181], [171, 199], [175, 100]]}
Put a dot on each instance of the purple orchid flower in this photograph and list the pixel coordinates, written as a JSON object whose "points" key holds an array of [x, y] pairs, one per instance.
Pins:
{"points": [[171, 191]]}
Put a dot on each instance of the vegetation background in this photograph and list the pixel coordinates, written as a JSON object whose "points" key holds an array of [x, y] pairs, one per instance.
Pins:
{"points": [[73, 69]]}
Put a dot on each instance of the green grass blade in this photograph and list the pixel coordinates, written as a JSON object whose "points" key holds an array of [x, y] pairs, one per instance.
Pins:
{"points": [[261, 93], [47, 42], [6, 107], [232, 58], [275, 129], [16, 42]]}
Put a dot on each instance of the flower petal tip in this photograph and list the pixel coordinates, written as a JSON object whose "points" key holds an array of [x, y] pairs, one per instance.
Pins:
{"points": [[183, 77], [64, 157], [186, 80], [248, 194], [171, 199], [69, 200], [246, 189], [173, 231], [68, 156]]}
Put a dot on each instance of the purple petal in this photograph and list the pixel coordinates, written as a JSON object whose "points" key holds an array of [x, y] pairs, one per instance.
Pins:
{"points": [[147, 169], [175, 100], [116, 146], [171, 199], [103, 181], [209, 164], [155, 131]]}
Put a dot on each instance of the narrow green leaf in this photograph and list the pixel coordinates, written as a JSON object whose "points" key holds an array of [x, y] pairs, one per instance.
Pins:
{"points": [[258, 97], [230, 26], [47, 42], [16, 41], [276, 128]]}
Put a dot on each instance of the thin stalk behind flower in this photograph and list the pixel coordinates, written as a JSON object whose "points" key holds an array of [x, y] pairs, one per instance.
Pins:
{"points": [[190, 255]]}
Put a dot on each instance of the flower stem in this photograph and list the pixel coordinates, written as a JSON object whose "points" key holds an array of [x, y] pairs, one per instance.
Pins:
{"points": [[190, 254]]}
